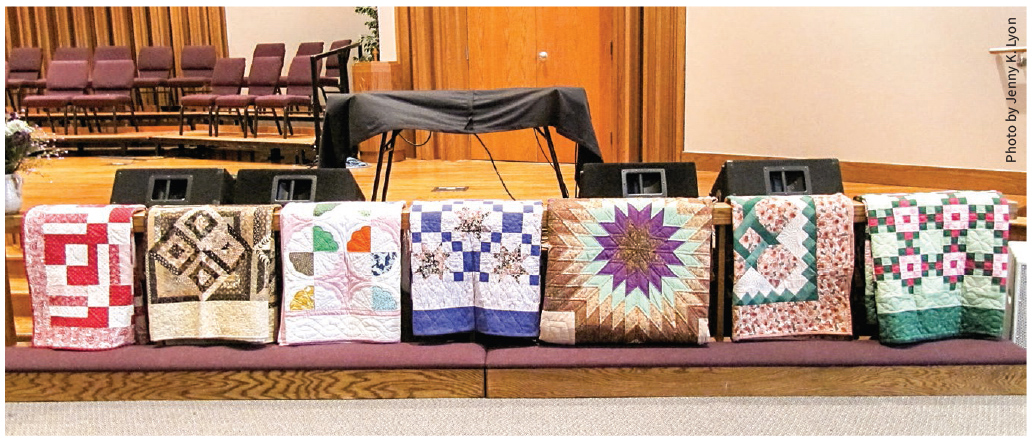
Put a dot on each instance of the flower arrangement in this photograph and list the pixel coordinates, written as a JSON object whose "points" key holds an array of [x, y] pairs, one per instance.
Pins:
{"points": [[24, 144]]}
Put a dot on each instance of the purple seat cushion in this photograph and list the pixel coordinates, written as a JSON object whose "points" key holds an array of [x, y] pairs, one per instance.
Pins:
{"points": [[771, 353], [198, 100], [234, 101], [101, 100], [47, 101], [145, 82], [187, 82], [328, 81], [272, 357], [281, 101]]}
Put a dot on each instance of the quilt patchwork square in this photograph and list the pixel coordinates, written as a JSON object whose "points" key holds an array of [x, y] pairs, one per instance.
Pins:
{"points": [[628, 271], [341, 272], [793, 258], [79, 261], [211, 273], [475, 266], [939, 273]]}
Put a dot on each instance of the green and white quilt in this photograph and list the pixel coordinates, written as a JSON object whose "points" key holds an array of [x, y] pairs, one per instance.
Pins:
{"points": [[936, 264]]}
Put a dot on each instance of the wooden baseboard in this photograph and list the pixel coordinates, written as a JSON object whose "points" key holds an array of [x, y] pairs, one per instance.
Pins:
{"points": [[757, 381], [243, 385], [1006, 182]]}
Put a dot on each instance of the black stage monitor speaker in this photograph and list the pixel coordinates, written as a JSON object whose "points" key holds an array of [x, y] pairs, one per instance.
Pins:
{"points": [[188, 186], [778, 177], [619, 180], [267, 186]]}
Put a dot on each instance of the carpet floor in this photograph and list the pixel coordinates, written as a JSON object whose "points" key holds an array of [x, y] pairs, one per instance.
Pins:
{"points": [[991, 415]]}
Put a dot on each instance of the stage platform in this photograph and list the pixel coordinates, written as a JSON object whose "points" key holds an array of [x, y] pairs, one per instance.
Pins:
{"points": [[231, 144]]}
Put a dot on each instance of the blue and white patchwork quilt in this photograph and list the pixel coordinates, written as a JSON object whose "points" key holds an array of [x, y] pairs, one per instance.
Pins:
{"points": [[475, 267]]}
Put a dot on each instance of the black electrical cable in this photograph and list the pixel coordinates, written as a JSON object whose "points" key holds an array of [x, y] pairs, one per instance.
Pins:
{"points": [[493, 167], [416, 145]]}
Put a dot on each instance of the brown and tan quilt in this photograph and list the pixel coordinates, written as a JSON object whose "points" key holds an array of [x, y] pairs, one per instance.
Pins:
{"points": [[211, 273]]}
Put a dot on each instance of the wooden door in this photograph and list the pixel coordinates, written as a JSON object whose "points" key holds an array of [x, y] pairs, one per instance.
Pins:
{"points": [[542, 47]]}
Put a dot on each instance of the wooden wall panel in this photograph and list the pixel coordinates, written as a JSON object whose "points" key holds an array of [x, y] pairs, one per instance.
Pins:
{"points": [[48, 28], [664, 83], [628, 84]]}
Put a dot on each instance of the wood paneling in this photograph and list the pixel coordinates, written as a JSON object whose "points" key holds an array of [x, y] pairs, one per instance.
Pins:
{"points": [[627, 85], [1006, 182], [664, 84], [243, 385], [757, 381], [48, 28]]}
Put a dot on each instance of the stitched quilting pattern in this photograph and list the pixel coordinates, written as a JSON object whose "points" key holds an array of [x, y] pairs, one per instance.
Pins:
{"points": [[475, 266], [210, 273], [628, 271], [936, 264], [342, 272], [793, 261], [79, 262]]}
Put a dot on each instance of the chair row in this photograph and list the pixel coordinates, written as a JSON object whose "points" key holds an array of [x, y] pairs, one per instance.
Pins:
{"points": [[263, 83], [155, 66]]}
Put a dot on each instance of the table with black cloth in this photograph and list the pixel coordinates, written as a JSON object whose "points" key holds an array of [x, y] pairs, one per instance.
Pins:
{"points": [[353, 118]]}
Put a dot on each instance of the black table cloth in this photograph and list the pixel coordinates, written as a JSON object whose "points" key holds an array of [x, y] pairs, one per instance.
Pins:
{"points": [[353, 118]]}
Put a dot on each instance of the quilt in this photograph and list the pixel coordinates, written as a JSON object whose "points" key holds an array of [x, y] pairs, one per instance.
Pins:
{"points": [[628, 271], [341, 272], [79, 265], [210, 273], [936, 264], [793, 259], [475, 267]]}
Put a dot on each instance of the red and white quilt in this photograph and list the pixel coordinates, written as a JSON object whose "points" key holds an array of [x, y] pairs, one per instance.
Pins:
{"points": [[79, 262]]}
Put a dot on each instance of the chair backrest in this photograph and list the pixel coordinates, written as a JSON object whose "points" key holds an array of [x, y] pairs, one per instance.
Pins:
{"points": [[332, 64], [24, 63], [228, 76], [197, 61], [65, 53], [269, 50], [112, 53], [309, 48], [113, 76], [67, 76], [154, 62], [264, 75], [299, 76]]}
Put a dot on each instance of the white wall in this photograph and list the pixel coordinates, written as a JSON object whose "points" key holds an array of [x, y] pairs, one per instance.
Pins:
{"points": [[248, 26], [912, 86]]}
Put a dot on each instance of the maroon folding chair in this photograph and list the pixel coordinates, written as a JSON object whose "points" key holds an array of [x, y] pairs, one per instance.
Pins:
{"points": [[299, 94], [267, 50], [112, 89], [332, 76], [264, 75], [309, 48], [65, 79], [112, 53], [23, 73], [227, 77], [196, 65], [154, 67]]}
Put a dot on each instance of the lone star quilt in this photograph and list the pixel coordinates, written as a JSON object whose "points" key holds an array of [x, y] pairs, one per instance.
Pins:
{"points": [[342, 272], [628, 271], [475, 266], [79, 265], [793, 258], [936, 264], [210, 273]]}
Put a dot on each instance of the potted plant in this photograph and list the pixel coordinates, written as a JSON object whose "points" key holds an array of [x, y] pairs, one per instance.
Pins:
{"points": [[23, 144], [369, 49]]}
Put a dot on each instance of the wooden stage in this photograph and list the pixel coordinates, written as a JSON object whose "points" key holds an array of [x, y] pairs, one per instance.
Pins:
{"points": [[88, 180], [231, 144]]}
